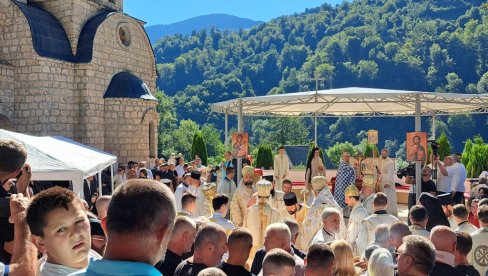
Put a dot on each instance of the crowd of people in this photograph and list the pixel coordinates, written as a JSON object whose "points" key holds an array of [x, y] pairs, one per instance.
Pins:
{"points": [[185, 218]]}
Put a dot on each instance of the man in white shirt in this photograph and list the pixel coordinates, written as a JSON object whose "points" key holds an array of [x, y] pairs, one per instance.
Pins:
{"points": [[331, 226], [220, 204], [458, 180], [281, 166], [180, 170], [369, 224], [445, 175], [180, 190], [120, 176]]}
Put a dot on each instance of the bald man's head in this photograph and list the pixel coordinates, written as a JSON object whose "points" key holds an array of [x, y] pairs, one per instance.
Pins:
{"points": [[443, 238], [183, 235]]}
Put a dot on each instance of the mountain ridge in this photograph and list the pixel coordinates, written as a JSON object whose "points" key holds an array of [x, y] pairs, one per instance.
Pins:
{"points": [[186, 27]]}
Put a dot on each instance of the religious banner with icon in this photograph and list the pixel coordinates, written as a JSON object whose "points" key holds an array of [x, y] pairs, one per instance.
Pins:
{"points": [[372, 137], [416, 146], [240, 142]]}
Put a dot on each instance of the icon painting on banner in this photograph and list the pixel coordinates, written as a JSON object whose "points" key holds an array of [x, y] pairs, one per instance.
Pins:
{"points": [[416, 146], [240, 144]]}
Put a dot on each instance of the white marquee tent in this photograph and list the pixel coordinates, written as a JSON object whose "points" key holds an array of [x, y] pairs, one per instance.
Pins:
{"points": [[355, 102], [59, 158]]}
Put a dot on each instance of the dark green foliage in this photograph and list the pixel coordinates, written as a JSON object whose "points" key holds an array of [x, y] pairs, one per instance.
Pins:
{"points": [[475, 156], [264, 158], [199, 147], [368, 152], [429, 45], [444, 146]]}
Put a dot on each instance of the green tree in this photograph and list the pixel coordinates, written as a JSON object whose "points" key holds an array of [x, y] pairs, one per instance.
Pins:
{"points": [[335, 152], [264, 158], [370, 149], [199, 147], [468, 145], [182, 137], [215, 146], [482, 86], [444, 148]]}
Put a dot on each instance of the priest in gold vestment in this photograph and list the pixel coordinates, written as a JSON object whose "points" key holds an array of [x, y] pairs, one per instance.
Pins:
{"points": [[243, 197], [313, 221], [294, 210], [260, 215]]}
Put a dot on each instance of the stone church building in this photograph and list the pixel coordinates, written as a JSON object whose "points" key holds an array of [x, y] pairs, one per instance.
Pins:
{"points": [[82, 69]]}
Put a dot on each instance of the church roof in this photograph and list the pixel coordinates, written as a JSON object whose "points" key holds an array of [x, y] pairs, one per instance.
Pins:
{"points": [[50, 39], [48, 36], [84, 51], [126, 85]]}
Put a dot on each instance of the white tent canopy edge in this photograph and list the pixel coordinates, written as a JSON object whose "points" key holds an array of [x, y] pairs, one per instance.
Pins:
{"points": [[59, 158]]}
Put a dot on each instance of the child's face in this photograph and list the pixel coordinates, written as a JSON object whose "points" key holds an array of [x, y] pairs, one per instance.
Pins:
{"points": [[66, 237]]}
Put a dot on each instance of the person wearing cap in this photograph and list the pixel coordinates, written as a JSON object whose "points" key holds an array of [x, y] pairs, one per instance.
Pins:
{"points": [[243, 197], [366, 234], [386, 173], [367, 193], [313, 220], [293, 209], [281, 167], [345, 176], [357, 215], [195, 188], [260, 215]]}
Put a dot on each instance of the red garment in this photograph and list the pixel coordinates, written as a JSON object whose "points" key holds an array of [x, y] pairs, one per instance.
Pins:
{"points": [[474, 220]]}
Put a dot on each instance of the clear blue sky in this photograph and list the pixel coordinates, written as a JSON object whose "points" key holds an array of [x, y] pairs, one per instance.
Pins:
{"points": [[165, 12]]}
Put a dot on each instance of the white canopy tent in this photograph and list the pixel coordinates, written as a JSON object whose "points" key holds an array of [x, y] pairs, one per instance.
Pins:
{"points": [[355, 102], [59, 158]]}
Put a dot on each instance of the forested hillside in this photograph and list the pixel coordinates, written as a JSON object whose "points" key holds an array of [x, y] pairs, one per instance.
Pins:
{"points": [[429, 45]]}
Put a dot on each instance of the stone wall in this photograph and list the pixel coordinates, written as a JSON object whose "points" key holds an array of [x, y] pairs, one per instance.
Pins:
{"points": [[6, 96], [44, 96], [111, 56], [44, 99], [127, 131]]}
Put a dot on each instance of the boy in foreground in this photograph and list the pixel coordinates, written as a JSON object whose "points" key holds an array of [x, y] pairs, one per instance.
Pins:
{"points": [[60, 230]]}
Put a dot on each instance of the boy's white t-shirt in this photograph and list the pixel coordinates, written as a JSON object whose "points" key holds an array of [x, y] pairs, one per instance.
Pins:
{"points": [[48, 269]]}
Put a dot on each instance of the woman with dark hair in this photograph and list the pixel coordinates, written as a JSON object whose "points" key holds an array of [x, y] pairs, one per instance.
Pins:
{"points": [[315, 166]]}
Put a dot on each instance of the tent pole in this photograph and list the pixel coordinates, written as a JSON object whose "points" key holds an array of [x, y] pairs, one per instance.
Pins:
{"points": [[239, 129], [433, 127], [418, 164], [99, 183], [112, 177], [226, 129], [315, 133]]}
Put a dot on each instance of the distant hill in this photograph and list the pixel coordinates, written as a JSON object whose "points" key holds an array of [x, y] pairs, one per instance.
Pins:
{"points": [[422, 45], [185, 27]]}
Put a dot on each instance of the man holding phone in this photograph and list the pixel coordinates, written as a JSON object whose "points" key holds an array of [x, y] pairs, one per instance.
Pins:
{"points": [[13, 203]]}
